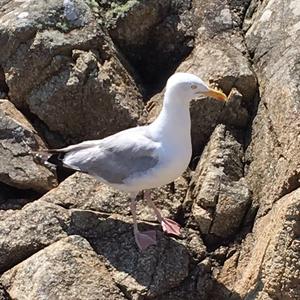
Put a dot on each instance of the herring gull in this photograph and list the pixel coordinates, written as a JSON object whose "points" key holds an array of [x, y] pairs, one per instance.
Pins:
{"points": [[144, 157]]}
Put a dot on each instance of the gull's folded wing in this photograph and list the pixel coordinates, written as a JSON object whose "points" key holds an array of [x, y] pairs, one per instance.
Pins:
{"points": [[113, 159]]}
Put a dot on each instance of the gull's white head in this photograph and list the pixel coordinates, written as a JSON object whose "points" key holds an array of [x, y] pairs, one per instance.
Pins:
{"points": [[187, 86]]}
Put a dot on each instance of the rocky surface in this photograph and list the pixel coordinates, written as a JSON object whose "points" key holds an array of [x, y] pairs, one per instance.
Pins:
{"points": [[73, 70], [57, 62], [70, 269], [25, 231], [219, 194], [3, 294], [267, 266], [17, 140], [142, 29], [274, 142]]}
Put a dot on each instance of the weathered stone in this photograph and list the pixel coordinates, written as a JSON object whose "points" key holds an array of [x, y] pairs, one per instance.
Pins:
{"points": [[85, 192], [13, 198], [140, 274], [268, 266], [273, 153], [233, 113], [217, 17], [151, 34], [59, 66], [3, 85], [221, 196], [195, 245], [65, 70], [197, 286], [68, 269], [17, 140], [28, 230], [3, 293]]}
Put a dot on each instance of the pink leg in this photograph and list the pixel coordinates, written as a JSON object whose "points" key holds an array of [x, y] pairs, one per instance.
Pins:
{"points": [[169, 226], [143, 239]]}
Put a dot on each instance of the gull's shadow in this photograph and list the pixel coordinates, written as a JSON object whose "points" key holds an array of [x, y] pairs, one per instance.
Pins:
{"points": [[156, 271]]}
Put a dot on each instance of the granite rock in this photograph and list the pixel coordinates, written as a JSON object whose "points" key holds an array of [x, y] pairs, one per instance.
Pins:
{"points": [[18, 139], [68, 269], [64, 69]]}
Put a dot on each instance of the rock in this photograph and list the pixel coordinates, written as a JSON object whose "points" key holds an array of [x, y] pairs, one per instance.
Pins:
{"points": [[268, 266], [219, 17], [195, 245], [151, 34], [197, 286], [220, 193], [273, 152], [26, 231], [68, 269], [64, 69], [13, 198], [17, 139], [234, 114], [139, 274], [3, 85], [204, 283], [3, 293], [76, 70], [85, 192], [221, 63]]}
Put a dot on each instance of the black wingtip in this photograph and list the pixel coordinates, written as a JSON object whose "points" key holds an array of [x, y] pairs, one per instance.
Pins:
{"points": [[56, 159], [53, 160]]}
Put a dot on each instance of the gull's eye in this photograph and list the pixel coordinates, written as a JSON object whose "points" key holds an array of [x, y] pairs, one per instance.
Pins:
{"points": [[193, 86]]}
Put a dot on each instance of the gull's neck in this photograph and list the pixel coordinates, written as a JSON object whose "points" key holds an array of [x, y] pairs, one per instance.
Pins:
{"points": [[174, 122]]}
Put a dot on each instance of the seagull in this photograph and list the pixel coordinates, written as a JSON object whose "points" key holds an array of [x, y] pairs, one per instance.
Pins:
{"points": [[144, 157]]}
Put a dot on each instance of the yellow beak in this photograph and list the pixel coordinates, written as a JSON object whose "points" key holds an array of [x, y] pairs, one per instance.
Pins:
{"points": [[216, 95]]}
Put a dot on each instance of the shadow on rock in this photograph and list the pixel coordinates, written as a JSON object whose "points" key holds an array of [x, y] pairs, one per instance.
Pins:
{"points": [[13, 198], [220, 292], [200, 284], [150, 273]]}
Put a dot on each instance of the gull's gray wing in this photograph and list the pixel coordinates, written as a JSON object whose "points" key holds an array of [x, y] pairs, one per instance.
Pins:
{"points": [[114, 158]]}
